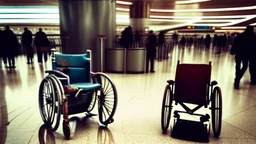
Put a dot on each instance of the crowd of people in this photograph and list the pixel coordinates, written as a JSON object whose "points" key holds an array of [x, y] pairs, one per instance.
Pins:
{"points": [[9, 46]]}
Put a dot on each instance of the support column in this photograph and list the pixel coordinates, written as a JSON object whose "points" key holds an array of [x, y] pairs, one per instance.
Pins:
{"points": [[139, 15], [81, 21]]}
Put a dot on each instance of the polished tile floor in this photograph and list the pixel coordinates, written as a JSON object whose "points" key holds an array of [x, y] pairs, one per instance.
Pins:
{"points": [[137, 119]]}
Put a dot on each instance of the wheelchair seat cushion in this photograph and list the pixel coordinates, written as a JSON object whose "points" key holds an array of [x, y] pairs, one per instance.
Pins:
{"points": [[86, 86]]}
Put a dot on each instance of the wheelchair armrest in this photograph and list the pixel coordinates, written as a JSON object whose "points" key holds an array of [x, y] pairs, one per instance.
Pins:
{"points": [[171, 82], [65, 77], [213, 83]]}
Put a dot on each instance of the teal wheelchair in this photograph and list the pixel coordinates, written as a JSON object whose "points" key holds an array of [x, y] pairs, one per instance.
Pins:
{"points": [[71, 88]]}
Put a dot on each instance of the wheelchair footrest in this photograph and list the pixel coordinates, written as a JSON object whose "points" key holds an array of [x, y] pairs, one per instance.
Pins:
{"points": [[190, 130]]}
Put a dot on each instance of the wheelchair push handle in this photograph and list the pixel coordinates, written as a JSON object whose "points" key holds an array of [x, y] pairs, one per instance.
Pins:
{"points": [[90, 58]]}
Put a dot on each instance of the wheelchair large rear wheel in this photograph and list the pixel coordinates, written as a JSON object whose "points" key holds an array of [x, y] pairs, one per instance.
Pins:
{"points": [[107, 99], [58, 89], [216, 108], [166, 108], [49, 102]]}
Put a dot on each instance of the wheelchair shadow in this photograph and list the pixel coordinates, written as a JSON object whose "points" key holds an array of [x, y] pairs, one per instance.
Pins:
{"points": [[45, 136], [191, 131], [78, 127]]}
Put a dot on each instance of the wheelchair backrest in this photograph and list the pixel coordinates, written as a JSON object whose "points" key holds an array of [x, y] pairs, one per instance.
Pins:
{"points": [[192, 83], [76, 66]]}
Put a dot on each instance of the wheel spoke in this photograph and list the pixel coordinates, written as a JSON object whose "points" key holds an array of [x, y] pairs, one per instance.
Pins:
{"points": [[108, 91], [107, 110], [108, 106], [104, 114]]}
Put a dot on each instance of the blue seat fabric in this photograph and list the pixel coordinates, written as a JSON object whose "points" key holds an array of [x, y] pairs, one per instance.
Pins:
{"points": [[77, 67]]}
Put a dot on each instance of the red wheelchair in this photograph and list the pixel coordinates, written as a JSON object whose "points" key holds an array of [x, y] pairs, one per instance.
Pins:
{"points": [[192, 86]]}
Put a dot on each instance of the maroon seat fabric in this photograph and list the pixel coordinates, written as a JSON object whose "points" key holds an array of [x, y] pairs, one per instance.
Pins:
{"points": [[192, 83]]}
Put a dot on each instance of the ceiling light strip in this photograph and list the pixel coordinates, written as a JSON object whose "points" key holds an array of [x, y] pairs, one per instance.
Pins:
{"points": [[227, 24], [206, 10], [253, 24], [174, 20], [48, 16], [204, 17], [122, 9], [44, 21], [124, 2], [190, 1], [32, 10], [233, 27]]}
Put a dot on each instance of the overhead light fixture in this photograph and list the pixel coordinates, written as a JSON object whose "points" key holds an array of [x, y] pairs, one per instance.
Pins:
{"points": [[203, 17], [184, 20], [124, 2], [122, 9], [48, 16], [190, 1], [253, 24], [226, 24], [206, 10], [233, 27], [29, 10], [21, 21]]}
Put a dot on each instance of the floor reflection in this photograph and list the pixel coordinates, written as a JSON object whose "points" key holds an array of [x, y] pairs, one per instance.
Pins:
{"points": [[45, 136], [80, 126], [3, 116]]}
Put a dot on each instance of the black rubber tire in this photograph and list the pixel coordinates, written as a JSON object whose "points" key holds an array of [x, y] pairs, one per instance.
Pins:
{"points": [[46, 101], [66, 130], [58, 107], [166, 108], [216, 108], [107, 100]]}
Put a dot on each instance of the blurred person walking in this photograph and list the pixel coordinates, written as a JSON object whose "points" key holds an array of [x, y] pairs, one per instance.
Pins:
{"points": [[252, 56], [243, 44], [42, 45], [27, 41], [10, 45], [161, 41], [2, 50], [151, 51]]}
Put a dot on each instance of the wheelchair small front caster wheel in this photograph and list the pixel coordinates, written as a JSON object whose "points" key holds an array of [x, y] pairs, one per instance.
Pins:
{"points": [[66, 130]]}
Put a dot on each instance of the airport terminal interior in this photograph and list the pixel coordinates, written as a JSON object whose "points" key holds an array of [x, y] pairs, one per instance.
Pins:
{"points": [[139, 103]]}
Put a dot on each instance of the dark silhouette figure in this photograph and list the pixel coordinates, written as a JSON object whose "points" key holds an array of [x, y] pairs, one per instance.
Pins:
{"points": [[252, 55], [208, 41], [2, 51], [215, 40], [222, 43], [125, 40], [161, 41], [27, 41], [175, 38], [151, 51], [130, 37], [10, 45], [183, 42], [241, 47], [42, 45]]}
